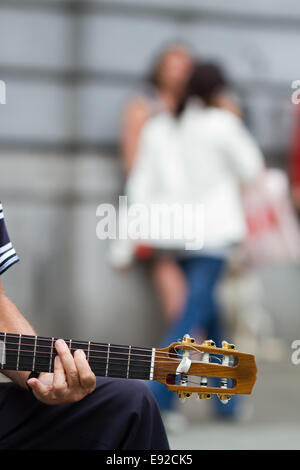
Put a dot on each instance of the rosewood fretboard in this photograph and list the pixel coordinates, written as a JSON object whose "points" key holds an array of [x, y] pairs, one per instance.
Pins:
{"points": [[37, 353]]}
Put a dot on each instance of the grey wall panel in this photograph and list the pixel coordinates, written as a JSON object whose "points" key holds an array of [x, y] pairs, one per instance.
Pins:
{"points": [[101, 109], [36, 111], [289, 8], [35, 39], [121, 43], [39, 283], [64, 283], [88, 176], [36, 177], [270, 121], [129, 44], [248, 52], [101, 113], [116, 307]]}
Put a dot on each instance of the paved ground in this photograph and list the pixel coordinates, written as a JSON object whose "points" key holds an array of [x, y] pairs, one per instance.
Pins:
{"points": [[274, 422]]}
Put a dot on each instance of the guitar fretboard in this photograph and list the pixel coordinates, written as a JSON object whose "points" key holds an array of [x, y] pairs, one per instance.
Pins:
{"points": [[37, 353]]}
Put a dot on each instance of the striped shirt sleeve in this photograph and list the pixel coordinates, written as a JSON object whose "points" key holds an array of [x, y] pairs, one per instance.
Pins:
{"points": [[8, 256]]}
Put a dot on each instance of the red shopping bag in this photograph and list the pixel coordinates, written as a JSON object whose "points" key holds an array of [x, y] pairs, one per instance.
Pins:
{"points": [[273, 229]]}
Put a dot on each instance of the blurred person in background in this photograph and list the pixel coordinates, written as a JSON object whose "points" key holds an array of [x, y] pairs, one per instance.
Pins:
{"points": [[204, 154], [166, 87], [165, 91]]}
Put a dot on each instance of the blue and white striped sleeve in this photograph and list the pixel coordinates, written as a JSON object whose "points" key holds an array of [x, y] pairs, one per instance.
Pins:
{"points": [[8, 256]]}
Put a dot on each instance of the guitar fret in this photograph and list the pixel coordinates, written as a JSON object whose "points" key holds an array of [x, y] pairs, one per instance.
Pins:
{"points": [[140, 363], [19, 350], [43, 354], [51, 355], [128, 363], [34, 353], [152, 364], [107, 360], [88, 351], [78, 345], [3, 355]]}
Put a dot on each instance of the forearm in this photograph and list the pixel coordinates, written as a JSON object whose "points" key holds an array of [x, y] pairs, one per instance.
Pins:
{"points": [[73, 378], [12, 321], [135, 116]]}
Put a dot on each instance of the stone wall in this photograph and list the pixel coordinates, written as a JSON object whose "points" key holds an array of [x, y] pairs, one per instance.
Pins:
{"points": [[69, 67]]}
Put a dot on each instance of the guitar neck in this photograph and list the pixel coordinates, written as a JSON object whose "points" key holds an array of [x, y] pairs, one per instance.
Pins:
{"points": [[37, 353]]}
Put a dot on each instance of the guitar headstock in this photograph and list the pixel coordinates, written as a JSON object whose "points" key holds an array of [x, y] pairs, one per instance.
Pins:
{"points": [[205, 369]]}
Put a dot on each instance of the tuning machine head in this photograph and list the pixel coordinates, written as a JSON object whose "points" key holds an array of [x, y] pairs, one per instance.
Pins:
{"points": [[204, 396], [188, 340], [184, 395], [224, 398], [226, 345], [209, 342]]}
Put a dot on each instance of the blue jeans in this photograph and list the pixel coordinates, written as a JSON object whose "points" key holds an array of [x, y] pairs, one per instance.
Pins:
{"points": [[201, 311]]}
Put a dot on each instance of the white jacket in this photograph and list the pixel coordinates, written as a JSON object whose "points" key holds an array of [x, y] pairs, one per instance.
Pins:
{"points": [[201, 157]]}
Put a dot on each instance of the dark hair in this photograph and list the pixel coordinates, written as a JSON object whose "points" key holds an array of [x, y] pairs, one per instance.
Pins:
{"points": [[206, 80]]}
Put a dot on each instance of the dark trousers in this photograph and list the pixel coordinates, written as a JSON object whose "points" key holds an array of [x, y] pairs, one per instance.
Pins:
{"points": [[120, 414]]}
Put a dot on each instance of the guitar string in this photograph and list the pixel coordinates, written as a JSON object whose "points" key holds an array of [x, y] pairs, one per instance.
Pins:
{"points": [[135, 366], [160, 370], [42, 354], [158, 352], [157, 355], [97, 370], [132, 355], [30, 337], [28, 353], [94, 358]]}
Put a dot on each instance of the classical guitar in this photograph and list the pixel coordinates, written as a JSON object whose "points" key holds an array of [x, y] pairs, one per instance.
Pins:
{"points": [[184, 366]]}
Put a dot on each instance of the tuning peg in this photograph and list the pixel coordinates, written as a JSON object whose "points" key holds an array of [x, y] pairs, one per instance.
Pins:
{"points": [[204, 396], [209, 342], [184, 395], [226, 345], [224, 398], [188, 340]]}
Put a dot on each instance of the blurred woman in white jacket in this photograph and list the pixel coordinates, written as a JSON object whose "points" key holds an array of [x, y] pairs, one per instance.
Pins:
{"points": [[203, 156]]}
